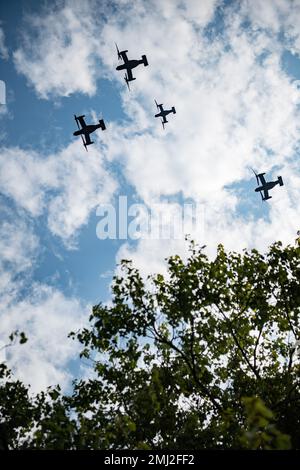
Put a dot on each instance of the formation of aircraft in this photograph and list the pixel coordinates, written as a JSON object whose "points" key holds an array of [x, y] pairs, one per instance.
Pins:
{"points": [[85, 130], [128, 65], [265, 186], [163, 113]]}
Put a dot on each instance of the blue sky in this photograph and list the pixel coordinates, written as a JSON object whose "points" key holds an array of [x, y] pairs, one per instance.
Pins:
{"points": [[46, 126], [229, 67]]}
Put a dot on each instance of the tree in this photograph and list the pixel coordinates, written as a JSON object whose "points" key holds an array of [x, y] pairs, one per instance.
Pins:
{"points": [[204, 357]]}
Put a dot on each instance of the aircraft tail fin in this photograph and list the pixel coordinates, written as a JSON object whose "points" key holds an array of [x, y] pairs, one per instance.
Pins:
{"points": [[174, 110], [144, 58], [280, 181], [102, 124]]}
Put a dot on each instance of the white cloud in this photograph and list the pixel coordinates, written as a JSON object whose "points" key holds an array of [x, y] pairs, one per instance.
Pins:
{"points": [[23, 175], [84, 184], [3, 55], [43, 312], [200, 13], [18, 244], [47, 316], [236, 108], [272, 15], [66, 185], [3, 49], [225, 101], [60, 60], [62, 45]]}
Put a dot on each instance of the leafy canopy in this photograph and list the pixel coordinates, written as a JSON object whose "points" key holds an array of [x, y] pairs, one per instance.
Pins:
{"points": [[204, 357]]}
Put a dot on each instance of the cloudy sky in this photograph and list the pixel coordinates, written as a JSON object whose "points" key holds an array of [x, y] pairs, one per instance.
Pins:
{"points": [[231, 69]]}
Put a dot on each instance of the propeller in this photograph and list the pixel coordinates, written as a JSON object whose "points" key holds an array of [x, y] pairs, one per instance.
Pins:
{"points": [[76, 121], [127, 81], [256, 176], [119, 55], [158, 105], [85, 146], [258, 182]]}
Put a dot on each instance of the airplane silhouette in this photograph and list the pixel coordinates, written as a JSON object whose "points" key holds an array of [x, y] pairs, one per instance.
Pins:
{"points": [[266, 185], [129, 65], [164, 112], [86, 130]]}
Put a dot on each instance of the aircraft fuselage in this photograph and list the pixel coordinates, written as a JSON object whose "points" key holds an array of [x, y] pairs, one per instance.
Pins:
{"points": [[131, 64], [164, 113], [267, 186], [87, 130]]}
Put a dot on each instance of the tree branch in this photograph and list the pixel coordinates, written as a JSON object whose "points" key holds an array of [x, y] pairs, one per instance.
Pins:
{"points": [[204, 389]]}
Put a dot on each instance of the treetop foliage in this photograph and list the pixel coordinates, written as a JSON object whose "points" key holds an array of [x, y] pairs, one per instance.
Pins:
{"points": [[204, 357]]}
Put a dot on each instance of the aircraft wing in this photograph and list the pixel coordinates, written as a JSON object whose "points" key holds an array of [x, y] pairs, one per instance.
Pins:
{"points": [[262, 178], [129, 75], [266, 194], [81, 121], [87, 139], [123, 55], [159, 106]]}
